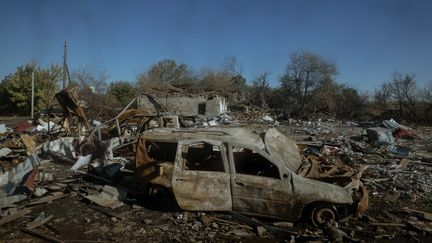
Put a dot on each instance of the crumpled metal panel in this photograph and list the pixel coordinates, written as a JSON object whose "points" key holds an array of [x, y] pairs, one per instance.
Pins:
{"points": [[283, 149], [14, 177]]}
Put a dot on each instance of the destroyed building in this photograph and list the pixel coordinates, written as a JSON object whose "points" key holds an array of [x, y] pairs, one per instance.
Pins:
{"points": [[187, 105]]}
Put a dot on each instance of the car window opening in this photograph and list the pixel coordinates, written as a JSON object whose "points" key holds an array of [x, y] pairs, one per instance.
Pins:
{"points": [[204, 157], [252, 163], [161, 151]]}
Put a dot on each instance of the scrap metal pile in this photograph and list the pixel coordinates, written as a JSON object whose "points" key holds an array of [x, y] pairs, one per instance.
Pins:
{"points": [[70, 178]]}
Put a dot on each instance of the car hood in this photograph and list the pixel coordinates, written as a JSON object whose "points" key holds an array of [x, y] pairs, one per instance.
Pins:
{"points": [[283, 149], [308, 190]]}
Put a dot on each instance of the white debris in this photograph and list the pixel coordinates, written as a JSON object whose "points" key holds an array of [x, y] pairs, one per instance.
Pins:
{"points": [[82, 161]]}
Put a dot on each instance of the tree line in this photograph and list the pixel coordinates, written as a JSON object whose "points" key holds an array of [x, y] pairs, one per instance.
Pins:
{"points": [[306, 88]]}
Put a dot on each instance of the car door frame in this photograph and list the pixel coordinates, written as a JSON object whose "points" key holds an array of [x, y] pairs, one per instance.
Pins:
{"points": [[201, 190], [267, 196]]}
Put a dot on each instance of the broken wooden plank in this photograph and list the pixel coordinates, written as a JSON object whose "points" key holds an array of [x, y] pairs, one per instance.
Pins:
{"points": [[18, 214], [389, 224], [393, 217], [276, 230], [41, 236], [421, 163], [108, 212], [422, 214], [112, 213], [230, 223], [52, 228], [37, 223], [29, 143], [48, 199], [404, 163], [123, 214], [87, 241]]}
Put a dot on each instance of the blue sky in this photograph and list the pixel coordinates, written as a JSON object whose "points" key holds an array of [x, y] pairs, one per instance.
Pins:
{"points": [[367, 40]]}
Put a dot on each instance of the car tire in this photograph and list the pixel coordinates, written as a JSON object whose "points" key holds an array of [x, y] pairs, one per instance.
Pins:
{"points": [[161, 197], [321, 214]]}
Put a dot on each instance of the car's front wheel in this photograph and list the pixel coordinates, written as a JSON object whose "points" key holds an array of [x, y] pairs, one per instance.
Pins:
{"points": [[321, 214]]}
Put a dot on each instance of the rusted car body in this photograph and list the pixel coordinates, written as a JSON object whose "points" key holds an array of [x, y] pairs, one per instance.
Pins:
{"points": [[233, 169]]}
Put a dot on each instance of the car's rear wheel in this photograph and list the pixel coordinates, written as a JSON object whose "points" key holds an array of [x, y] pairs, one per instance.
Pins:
{"points": [[162, 198], [159, 193], [321, 214]]}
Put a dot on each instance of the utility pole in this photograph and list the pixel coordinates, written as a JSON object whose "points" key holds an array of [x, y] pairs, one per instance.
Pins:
{"points": [[32, 96], [65, 68]]}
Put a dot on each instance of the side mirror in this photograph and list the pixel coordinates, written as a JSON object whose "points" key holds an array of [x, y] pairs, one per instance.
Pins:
{"points": [[285, 175]]}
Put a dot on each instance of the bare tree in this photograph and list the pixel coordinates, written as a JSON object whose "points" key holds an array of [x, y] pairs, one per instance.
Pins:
{"points": [[382, 97], [403, 91], [426, 94], [93, 87], [231, 66], [426, 104], [92, 79], [261, 89], [303, 75], [234, 70]]}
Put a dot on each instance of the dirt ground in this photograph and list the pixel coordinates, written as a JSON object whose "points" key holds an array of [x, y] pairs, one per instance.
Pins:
{"points": [[394, 193]]}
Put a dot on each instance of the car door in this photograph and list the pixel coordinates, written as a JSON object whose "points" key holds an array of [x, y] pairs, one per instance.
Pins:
{"points": [[201, 179], [258, 185]]}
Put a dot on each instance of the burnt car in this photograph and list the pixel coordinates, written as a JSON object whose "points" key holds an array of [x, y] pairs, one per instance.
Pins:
{"points": [[236, 169]]}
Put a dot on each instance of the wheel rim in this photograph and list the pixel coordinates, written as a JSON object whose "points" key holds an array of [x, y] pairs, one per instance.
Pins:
{"points": [[324, 215]]}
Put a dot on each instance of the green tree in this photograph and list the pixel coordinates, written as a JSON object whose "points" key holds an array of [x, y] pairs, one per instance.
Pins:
{"points": [[166, 72], [16, 88], [122, 91], [225, 80], [350, 104], [215, 80]]}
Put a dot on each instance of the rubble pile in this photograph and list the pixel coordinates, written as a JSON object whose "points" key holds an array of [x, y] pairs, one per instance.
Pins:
{"points": [[72, 179], [396, 170]]}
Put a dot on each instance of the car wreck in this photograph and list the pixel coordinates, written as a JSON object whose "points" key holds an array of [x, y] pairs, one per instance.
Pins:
{"points": [[238, 169]]}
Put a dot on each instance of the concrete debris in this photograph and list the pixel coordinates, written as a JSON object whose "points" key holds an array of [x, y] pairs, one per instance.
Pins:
{"points": [[82, 161], [3, 128], [5, 151], [185, 105], [40, 191]]}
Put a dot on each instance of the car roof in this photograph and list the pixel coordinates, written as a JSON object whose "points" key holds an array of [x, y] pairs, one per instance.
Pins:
{"points": [[240, 135], [272, 142]]}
